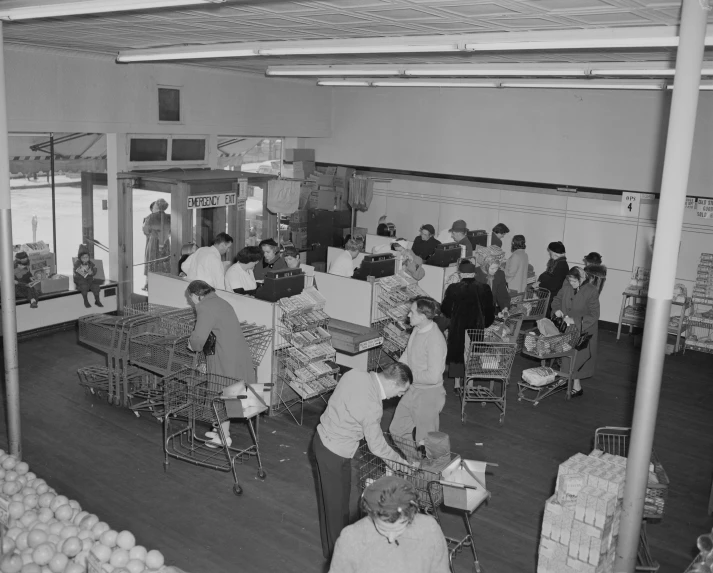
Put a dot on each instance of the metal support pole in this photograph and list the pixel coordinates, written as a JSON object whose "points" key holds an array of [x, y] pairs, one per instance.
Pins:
{"points": [[54, 205], [669, 222], [7, 278]]}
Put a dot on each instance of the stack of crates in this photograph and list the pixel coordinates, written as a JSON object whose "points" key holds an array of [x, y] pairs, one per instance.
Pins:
{"points": [[298, 228]]}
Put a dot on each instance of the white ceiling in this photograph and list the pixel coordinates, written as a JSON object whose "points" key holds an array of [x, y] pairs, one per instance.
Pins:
{"points": [[278, 20]]}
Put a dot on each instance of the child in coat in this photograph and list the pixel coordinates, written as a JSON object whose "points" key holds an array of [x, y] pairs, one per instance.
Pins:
{"points": [[23, 279], [84, 271]]}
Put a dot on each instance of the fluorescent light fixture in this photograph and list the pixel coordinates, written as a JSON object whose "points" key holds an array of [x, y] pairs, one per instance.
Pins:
{"points": [[585, 85], [434, 84], [94, 7], [336, 71], [343, 83], [492, 72], [624, 72], [138, 56], [702, 87], [357, 49], [576, 44]]}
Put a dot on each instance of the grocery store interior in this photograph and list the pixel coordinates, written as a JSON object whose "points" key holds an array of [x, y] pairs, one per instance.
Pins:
{"points": [[136, 128]]}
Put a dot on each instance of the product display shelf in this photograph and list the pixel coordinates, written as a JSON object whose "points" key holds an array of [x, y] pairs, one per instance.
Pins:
{"points": [[633, 313], [305, 355], [392, 296], [699, 327]]}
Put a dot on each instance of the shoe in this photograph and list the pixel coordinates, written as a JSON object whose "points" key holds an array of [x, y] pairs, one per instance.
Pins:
{"points": [[218, 443], [86, 304], [33, 304], [99, 304], [211, 435], [576, 393]]}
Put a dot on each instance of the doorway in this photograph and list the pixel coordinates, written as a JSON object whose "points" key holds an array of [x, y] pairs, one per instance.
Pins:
{"points": [[151, 223]]}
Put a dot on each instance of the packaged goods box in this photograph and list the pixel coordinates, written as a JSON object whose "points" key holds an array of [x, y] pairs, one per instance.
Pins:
{"points": [[57, 283], [351, 338], [298, 155], [300, 217]]}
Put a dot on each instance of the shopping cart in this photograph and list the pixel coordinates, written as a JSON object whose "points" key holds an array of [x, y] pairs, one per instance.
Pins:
{"points": [[548, 350], [489, 360], [532, 305], [615, 441], [194, 403]]}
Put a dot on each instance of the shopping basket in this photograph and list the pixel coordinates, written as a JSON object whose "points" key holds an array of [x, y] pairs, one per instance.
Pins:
{"points": [[371, 468], [614, 440], [161, 354]]}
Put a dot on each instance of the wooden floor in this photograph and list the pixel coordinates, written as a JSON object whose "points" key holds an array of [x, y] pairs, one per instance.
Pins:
{"points": [[112, 463]]}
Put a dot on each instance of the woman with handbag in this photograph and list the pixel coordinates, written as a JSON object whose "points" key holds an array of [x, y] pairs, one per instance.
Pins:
{"points": [[219, 334], [157, 228], [577, 303]]}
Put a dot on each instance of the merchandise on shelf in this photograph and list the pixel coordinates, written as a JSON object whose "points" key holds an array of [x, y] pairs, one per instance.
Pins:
{"points": [[699, 331]]}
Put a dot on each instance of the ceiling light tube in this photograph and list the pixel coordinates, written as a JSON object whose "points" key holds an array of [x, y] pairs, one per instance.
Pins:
{"points": [[581, 85], [493, 72], [702, 87], [343, 83], [623, 72], [574, 44], [94, 7], [357, 49], [434, 84], [341, 72], [197, 55]]}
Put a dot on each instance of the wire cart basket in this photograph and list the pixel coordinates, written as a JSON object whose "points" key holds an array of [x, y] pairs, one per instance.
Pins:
{"points": [[490, 360], [615, 441], [548, 350], [194, 402]]}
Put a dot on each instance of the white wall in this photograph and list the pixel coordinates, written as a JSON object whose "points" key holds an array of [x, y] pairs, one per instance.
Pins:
{"points": [[583, 222], [53, 91], [604, 139]]}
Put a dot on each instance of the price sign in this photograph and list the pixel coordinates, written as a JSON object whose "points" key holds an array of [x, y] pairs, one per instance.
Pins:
{"points": [[691, 203], [704, 209], [242, 188], [630, 204]]}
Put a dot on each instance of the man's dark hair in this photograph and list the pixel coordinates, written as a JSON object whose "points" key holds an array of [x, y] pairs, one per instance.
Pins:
{"points": [[399, 373], [200, 288], [427, 306], [248, 255], [223, 238], [501, 228]]}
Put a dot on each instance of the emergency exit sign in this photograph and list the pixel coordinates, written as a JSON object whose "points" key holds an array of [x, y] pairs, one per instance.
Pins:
{"points": [[215, 200]]}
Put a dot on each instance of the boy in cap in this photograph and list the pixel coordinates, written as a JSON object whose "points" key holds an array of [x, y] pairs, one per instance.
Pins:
{"points": [[23, 279], [425, 244], [393, 537], [459, 232], [84, 271]]}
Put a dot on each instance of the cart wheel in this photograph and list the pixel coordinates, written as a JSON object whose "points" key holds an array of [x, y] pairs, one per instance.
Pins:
{"points": [[519, 399], [478, 568], [159, 419], [261, 473], [482, 404], [91, 390], [535, 403], [237, 490], [137, 414], [502, 419], [165, 467]]}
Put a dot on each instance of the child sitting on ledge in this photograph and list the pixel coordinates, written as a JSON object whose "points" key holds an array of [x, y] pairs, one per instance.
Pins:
{"points": [[84, 271]]}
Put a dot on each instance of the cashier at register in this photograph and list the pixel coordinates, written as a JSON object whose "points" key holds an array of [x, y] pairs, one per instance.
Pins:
{"points": [[271, 259], [343, 265], [292, 259]]}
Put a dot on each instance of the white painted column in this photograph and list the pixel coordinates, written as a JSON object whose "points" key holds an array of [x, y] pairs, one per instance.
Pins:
{"points": [[116, 162]]}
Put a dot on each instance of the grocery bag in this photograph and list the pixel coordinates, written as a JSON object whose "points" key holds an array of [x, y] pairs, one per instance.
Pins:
{"points": [[464, 484], [243, 400], [540, 376], [283, 197]]}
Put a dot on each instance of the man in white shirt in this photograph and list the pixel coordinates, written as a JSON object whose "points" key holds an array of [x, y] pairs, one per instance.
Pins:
{"points": [[240, 278], [206, 264], [343, 265]]}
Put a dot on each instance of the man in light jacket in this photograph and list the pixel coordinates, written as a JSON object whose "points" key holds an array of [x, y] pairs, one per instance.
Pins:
{"points": [[206, 264], [425, 354]]}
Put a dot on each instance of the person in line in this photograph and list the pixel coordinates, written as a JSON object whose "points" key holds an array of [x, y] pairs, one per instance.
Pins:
{"points": [[353, 412], [555, 271], [292, 258], [499, 232], [578, 303], [84, 272], [343, 265], [425, 244], [152, 209], [232, 358], [23, 279], [239, 278], [271, 259], [467, 304], [517, 265], [393, 537], [425, 354], [186, 251], [596, 271], [157, 228], [489, 273], [206, 264], [383, 229], [459, 233], [411, 264]]}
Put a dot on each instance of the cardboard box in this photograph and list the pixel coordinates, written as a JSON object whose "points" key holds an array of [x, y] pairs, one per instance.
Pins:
{"points": [[299, 217], [58, 283], [299, 239], [324, 200], [358, 232], [298, 155], [351, 338]]}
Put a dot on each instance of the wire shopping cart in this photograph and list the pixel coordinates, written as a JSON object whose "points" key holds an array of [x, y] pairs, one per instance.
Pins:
{"points": [[195, 402], [490, 360], [532, 305]]}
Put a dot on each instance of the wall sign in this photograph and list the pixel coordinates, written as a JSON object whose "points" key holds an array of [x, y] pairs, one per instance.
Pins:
{"points": [[243, 188], [691, 203], [630, 204], [704, 209], [216, 200]]}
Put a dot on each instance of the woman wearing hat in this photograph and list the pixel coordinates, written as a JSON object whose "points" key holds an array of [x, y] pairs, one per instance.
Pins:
{"points": [[555, 272], [459, 232], [489, 273], [468, 304], [578, 303], [393, 537], [23, 278], [595, 269], [411, 264], [425, 244], [157, 228]]}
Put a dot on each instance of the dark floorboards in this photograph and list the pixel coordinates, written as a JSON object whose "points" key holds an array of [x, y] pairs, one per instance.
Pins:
{"points": [[112, 463]]}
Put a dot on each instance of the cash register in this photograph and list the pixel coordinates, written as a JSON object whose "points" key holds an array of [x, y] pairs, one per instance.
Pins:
{"points": [[280, 284], [445, 255], [377, 266]]}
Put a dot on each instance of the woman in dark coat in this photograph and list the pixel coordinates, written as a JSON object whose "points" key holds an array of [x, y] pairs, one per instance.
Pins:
{"points": [[555, 272], [468, 304], [596, 271], [232, 357], [578, 303], [157, 228], [489, 273]]}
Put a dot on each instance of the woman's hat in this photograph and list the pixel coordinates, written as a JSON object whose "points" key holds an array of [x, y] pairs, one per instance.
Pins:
{"points": [[466, 267], [429, 228], [556, 247], [459, 226], [162, 204], [401, 243], [22, 257], [390, 493]]}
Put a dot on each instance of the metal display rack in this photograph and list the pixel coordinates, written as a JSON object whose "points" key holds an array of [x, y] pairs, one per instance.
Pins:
{"points": [[305, 355], [699, 327]]}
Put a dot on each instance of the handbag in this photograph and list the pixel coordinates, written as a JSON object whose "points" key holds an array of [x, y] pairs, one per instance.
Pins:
{"points": [[209, 346], [559, 322]]}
